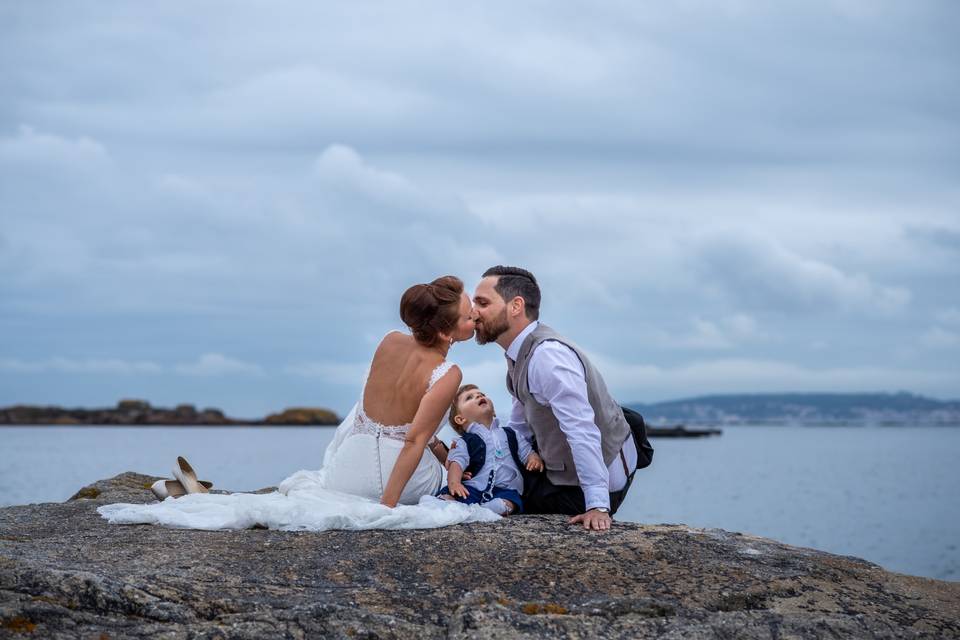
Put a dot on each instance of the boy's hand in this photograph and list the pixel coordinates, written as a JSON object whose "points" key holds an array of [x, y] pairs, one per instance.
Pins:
{"points": [[458, 490], [534, 462]]}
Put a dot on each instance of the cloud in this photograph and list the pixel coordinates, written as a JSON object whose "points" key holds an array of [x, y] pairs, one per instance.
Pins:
{"points": [[759, 271], [341, 166], [941, 237], [178, 240], [30, 148], [183, 187], [208, 364], [489, 374], [216, 364], [647, 382], [940, 338], [83, 366], [680, 190], [343, 172], [949, 316], [338, 373], [721, 333], [662, 85], [305, 93]]}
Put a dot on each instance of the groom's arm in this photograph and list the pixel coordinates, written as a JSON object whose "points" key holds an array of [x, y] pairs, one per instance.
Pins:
{"points": [[556, 379]]}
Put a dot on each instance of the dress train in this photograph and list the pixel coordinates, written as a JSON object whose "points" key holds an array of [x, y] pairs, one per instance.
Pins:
{"points": [[307, 501]]}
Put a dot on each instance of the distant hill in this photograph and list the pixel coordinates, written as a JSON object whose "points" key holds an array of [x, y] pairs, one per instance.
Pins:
{"points": [[140, 412], [804, 408]]}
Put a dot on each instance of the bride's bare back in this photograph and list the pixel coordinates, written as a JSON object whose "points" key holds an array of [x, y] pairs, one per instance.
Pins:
{"points": [[398, 379]]}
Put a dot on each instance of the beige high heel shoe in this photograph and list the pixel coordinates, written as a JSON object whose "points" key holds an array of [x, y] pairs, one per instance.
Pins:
{"points": [[187, 477], [164, 489]]}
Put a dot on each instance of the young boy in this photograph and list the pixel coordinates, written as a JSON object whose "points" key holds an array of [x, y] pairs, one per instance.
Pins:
{"points": [[490, 453]]}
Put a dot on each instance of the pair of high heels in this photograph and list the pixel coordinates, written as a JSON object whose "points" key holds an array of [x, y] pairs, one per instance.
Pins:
{"points": [[186, 482]]}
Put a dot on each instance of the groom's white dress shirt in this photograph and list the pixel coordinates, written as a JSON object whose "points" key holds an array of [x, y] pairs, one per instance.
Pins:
{"points": [[557, 380]]}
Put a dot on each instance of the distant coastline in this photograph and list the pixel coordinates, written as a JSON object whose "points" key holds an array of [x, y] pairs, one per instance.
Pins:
{"points": [[808, 409], [142, 413], [805, 409]]}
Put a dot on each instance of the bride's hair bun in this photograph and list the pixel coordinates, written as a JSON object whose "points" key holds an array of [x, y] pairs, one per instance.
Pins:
{"points": [[429, 309]]}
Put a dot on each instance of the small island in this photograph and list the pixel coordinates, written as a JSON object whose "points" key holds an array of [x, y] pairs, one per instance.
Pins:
{"points": [[140, 412]]}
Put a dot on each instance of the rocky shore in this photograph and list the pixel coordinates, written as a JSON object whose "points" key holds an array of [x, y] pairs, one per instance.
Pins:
{"points": [[66, 573], [140, 412]]}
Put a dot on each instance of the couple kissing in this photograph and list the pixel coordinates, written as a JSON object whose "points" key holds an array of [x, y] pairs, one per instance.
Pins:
{"points": [[567, 446]]}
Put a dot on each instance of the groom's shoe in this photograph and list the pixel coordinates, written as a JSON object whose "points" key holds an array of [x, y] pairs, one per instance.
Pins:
{"points": [[164, 489], [187, 477]]}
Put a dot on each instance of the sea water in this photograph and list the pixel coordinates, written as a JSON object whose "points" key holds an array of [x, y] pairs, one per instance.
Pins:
{"points": [[886, 494]]}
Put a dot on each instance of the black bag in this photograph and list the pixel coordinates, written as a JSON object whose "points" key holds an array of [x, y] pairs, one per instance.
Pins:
{"points": [[639, 429]]}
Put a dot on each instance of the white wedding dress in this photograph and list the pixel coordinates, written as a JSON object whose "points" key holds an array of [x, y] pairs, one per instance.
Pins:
{"points": [[343, 494]]}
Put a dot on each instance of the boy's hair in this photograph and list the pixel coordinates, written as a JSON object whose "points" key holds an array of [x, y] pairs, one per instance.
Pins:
{"points": [[455, 406]]}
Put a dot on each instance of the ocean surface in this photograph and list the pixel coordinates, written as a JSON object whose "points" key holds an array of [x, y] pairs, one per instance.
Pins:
{"points": [[886, 494]]}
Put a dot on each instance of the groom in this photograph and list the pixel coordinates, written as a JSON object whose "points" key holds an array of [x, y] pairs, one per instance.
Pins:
{"points": [[559, 398]]}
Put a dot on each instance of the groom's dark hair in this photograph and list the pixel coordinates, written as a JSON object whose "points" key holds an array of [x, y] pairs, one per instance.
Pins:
{"points": [[513, 282]]}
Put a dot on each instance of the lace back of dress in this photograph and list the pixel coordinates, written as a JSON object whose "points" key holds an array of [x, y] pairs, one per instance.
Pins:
{"points": [[439, 372], [362, 423]]}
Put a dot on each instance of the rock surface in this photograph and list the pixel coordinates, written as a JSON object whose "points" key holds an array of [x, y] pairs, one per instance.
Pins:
{"points": [[66, 573]]}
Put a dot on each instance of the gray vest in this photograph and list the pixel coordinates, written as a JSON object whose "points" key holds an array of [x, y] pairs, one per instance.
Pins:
{"points": [[554, 449]]}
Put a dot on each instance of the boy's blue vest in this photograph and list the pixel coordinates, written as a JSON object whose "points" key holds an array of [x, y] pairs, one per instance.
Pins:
{"points": [[477, 450]]}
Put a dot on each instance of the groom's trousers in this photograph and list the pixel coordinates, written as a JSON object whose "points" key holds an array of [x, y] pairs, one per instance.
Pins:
{"points": [[542, 496]]}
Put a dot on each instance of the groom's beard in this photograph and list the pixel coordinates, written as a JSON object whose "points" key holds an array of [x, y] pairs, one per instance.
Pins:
{"points": [[489, 331]]}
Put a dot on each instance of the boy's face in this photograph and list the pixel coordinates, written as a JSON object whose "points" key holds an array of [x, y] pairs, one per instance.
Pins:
{"points": [[475, 406]]}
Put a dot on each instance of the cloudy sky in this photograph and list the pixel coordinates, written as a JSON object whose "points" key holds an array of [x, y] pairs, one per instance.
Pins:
{"points": [[221, 203]]}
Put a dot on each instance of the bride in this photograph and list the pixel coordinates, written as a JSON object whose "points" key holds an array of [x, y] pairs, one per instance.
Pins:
{"points": [[384, 464]]}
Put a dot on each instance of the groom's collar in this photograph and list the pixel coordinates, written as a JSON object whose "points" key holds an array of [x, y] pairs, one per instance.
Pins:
{"points": [[514, 349]]}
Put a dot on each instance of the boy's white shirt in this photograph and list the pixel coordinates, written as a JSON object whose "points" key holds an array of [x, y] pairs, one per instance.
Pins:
{"points": [[506, 474]]}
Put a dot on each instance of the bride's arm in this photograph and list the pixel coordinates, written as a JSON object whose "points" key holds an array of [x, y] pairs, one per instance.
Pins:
{"points": [[432, 409]]}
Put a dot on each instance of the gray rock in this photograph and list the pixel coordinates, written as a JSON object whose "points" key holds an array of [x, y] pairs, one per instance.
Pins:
{"points": [[66, 573]]}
